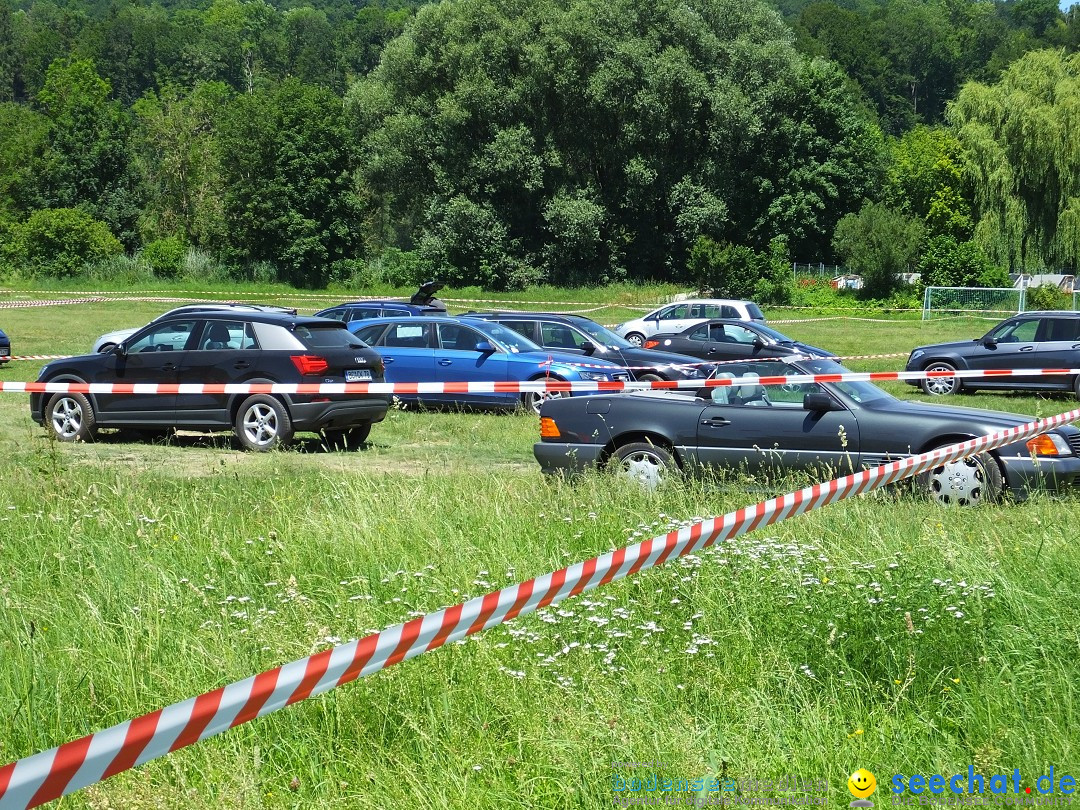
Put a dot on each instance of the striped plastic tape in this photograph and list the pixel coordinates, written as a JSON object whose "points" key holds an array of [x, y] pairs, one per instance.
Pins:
{"points": [[505, 386], [50, 774]]}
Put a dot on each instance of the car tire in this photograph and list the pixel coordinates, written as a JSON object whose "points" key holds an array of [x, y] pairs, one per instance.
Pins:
{"points": [[263, 423], [940, 386], [1076, 387], [348, 439], [967, 482], [71, 418], [105, 348], [650, 378], [636, 338], [531, 401], [644, 463]]}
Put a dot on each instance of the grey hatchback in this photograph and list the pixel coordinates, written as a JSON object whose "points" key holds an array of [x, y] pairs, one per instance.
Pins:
{"points": [[1030, 340]]}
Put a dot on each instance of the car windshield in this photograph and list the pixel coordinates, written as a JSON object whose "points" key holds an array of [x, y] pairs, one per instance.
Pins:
{"points": [[779, 337], [601, 335], [861, 392], [506, 337]]}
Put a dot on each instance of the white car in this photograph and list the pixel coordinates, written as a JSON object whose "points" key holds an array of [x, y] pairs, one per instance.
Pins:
{"points": [[684, 314], [110, 340]]}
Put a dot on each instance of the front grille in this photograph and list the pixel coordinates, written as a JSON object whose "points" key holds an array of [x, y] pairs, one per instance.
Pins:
{"points": [[1074, 442]]}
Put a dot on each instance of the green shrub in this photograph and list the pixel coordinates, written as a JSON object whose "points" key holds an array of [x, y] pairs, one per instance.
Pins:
{"points": [[1047, 296], [165, 256], [198, 266], [58, 242]]}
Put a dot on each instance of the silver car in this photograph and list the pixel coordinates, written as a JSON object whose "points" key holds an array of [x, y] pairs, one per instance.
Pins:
{"points": [[684, 314]]}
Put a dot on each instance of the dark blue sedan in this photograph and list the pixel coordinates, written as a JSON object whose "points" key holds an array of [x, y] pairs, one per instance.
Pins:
{"points": [[445, 349]]}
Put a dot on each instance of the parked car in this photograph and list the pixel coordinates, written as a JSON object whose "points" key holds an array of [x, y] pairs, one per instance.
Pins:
{"points": [[578, 335], [445, 349], [1029, 340], [725, 339], [677, 317], [831, 429], [111, 340], [423, 302], [214, 346], [5, 347]]}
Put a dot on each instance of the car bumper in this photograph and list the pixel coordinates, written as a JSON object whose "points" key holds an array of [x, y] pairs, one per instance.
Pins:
{"points": [[316, 416], [564, 457], [1024, 474]]}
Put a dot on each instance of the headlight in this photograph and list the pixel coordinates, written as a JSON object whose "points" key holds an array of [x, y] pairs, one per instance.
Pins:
{"points": [[691, 371], [915, 355], [1048, 444], [618, 326], [598, 376]]}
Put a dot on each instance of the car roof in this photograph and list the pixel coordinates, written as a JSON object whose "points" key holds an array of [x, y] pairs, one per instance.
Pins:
{"points": [[523, 315], [434, 318], [280, 318], [229, 306], [708, 301], [1057, 313]]}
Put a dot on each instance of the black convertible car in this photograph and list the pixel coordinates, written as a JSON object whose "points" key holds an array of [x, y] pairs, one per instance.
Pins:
{"points": [[728, 339], [832, 429]]}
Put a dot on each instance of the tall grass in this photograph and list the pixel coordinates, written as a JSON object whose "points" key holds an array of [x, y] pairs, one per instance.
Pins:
{"points": [[881, 632]]}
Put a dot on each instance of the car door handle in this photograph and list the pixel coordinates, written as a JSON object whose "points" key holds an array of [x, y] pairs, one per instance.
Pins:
{"points": [[169, 367], [241, 364], [387, 359], [445, 362], [711, 350], [1027, 348], [716, 421]]}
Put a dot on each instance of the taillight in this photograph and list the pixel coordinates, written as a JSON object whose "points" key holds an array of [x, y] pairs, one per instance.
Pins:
{"points": [[308, 364], [548, 428], [650, 344]]}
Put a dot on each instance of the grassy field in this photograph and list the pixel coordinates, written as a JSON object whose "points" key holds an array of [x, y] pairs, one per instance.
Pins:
{"points": [[880, 632]]}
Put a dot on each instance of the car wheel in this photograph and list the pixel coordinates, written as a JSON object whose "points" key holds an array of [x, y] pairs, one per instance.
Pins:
{"points": [[940, 386], [644, 463], [105, 348], [349, 439], [1076, 387], [532, 400], [650, 378], [966, 482], [636, 338], [262, 423], [71, 418]]}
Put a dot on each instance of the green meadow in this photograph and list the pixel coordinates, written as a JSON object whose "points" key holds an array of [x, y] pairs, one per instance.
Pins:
{"points": [[881, 632]]}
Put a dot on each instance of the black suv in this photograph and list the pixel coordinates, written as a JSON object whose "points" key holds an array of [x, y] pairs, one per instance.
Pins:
{"points": [[423, 302], [573, 333], [221, 347], [1028, 340]]}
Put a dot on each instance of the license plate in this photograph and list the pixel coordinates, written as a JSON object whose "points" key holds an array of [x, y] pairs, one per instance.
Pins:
{"points": [[5, 352], [357, 375]]}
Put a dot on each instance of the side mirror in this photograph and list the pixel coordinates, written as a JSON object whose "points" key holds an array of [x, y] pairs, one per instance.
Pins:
{"points": [[989, 343], [588, 347], [820, 401], [120, 350], [485, 347], [759, 343]]}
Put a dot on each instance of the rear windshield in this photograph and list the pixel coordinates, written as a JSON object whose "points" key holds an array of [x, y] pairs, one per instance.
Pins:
{"points": [[755, 311], [327, 336]]}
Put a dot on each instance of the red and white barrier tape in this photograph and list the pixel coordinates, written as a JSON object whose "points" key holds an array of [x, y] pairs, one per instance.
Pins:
{"points": [[722, 362], [51, 302], [48, 775], [36, 357], [505, 386]]}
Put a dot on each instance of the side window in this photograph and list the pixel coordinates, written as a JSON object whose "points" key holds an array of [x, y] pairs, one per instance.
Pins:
{"points": [[741, 334], [1062, 329], [710, 311], [558, 336], [363, 313], [701, 332], [171, 336], [459, 338], [337, 313], [370, 334], [1024, 332], [674, 312], [729, 312], [409, 336], [218, 335], [523, 328]]}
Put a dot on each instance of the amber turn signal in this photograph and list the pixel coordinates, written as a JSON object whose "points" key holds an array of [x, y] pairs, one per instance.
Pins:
{"points": [[548, 428], [1042, 446]]}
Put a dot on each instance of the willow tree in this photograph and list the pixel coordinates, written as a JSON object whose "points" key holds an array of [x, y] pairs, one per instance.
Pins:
{"points": [[1022, 138]]}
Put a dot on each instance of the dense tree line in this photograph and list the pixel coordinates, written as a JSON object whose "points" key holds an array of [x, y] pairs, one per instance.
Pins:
{"points": [[505, 142]]}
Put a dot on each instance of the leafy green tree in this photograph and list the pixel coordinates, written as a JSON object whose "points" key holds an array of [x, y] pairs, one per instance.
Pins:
{"points": [[736, 271], [593, 139], [7, 52], [86, 162], [287, 172], [22, 137], [1020, 136], [177, 158], [926, 180], [879, 244], [59, 241], [945, 262]]}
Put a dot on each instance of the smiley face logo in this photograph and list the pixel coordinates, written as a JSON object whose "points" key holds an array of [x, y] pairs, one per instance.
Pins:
{"points": [[862, 784]]}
